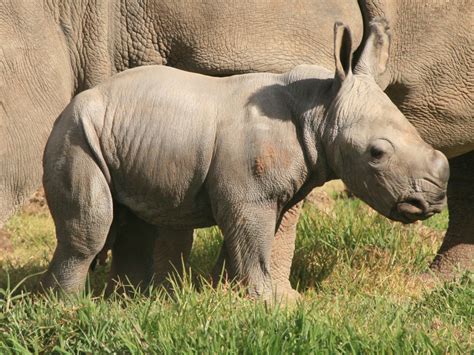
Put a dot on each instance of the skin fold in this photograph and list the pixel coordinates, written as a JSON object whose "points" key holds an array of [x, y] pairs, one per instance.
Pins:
{"points": [[182, 150], [51, 50]]}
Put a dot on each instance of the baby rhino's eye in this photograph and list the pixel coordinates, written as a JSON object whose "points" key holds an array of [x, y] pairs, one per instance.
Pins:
{"points": [[380, 149], [376, 152]]}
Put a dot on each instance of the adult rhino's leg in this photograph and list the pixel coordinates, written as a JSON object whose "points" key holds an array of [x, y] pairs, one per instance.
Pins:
{"points": [[36, 84], [457, 249]]}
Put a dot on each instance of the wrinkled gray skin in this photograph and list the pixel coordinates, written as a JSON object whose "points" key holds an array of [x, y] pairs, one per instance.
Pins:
{"points": [[183, 151], [51, 50]]}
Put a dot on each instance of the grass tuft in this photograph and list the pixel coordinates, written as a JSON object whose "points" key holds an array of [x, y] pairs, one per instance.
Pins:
{"points": [[356, 270]]}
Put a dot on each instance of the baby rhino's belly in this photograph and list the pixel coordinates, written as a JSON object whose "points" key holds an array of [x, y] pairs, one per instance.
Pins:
{"points": [[164, 194], [164, 209]]}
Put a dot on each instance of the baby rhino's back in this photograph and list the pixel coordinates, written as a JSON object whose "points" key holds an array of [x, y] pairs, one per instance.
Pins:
{"points": [[157, 140], [157, 134]]}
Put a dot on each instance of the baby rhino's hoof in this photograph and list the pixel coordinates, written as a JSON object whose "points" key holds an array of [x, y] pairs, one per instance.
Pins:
{"points": [[284, 297]]}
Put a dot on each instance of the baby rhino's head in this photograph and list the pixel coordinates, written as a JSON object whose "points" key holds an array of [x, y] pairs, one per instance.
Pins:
{"points": [[372, 147]]}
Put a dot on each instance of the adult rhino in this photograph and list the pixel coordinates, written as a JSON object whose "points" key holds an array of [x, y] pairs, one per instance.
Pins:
{"points": [[51, 50], [182, 150]]}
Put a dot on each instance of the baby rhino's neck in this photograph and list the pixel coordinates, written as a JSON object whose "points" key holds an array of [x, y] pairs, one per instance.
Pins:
{"points": [[313, 96]]}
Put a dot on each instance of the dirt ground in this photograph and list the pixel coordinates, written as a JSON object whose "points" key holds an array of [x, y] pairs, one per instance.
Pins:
{"points": [[5, 244], [36, 204]]}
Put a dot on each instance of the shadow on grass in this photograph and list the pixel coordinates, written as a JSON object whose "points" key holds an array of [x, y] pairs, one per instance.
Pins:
{"points": [[28, 275]]}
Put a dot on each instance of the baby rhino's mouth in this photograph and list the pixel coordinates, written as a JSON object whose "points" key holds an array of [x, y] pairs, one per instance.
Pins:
{"points": [[415, 207]]}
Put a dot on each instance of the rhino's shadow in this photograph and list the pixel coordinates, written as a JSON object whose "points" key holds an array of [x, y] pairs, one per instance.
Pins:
{"points": [[278, 101]]}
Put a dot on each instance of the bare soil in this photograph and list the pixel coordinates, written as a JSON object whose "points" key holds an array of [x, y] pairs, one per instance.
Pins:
{"points": [[5, 243], [36, 204], [322, 197]]}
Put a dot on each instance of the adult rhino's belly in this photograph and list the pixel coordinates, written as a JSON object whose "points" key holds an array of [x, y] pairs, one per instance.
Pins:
{"points": [[452, 137], [444, 119], [435, 94], [456, 151]]}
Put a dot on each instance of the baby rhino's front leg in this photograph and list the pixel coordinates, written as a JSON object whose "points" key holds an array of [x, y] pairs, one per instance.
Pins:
{"points": [[248, 233]]}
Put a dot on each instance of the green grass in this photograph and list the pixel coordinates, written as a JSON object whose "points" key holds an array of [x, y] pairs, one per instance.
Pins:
{"points": [[356, 270]]}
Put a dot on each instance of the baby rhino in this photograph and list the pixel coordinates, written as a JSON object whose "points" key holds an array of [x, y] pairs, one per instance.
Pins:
{"points": [[184, 151]]}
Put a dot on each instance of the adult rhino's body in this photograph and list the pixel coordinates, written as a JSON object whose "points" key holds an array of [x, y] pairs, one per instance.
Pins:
{"points": [[182, 150], [51, 50]]}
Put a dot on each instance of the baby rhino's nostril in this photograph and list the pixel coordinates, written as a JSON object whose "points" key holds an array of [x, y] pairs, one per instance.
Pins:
{"points": [[413, 207], [416, 202]]}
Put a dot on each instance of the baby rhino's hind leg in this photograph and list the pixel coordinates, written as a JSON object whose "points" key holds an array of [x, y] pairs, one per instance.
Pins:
{"points": [[171, 253], [81, 205], [132, 252], [142, 252]]}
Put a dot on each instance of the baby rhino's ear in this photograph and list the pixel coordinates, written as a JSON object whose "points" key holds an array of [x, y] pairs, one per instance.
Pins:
{"points": [[374, 57], [342, 51]]}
